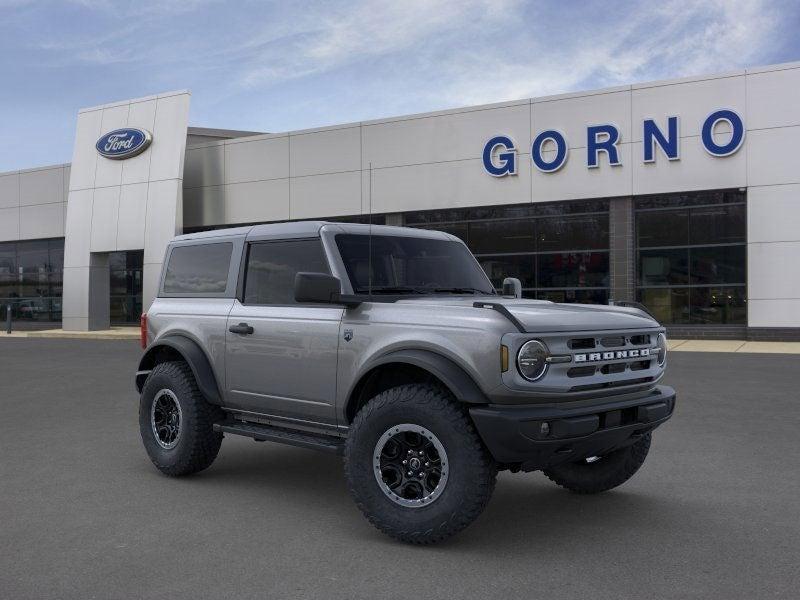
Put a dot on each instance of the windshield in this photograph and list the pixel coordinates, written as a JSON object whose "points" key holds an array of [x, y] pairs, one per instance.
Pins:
{"points": [[411, 265]]}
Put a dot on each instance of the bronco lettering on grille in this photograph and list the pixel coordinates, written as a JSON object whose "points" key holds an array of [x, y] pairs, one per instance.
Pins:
{"points": [[616, 355]]}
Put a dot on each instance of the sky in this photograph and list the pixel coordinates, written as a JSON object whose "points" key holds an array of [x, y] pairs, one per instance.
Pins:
{"points": [[279, 66]]}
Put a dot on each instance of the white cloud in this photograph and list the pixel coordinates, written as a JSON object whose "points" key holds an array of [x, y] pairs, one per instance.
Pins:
{"points": [[674, 40]]}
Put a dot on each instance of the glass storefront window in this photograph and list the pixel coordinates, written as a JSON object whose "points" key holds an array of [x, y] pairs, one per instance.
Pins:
{"points": [[495, 237], [125, 270], [692, 257], [573, 269], [31, 275], [523, 267], [557, 250], [586, 232]]}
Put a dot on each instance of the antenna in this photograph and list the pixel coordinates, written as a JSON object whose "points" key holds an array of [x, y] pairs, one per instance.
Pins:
{"points": [[369, 245]]}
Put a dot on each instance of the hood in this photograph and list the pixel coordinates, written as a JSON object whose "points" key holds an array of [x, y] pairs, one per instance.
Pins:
{"points": [[542, 316]]}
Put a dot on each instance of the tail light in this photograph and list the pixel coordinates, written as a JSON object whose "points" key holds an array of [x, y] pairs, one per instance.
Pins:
{"points": [[143, 330]]}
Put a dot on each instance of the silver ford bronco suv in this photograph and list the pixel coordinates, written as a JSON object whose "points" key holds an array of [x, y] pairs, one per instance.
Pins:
{"points": [[391, 347]]}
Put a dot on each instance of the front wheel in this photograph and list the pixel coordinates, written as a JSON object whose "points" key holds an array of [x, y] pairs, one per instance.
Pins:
{"points": [[415, 465], [601, 473]]}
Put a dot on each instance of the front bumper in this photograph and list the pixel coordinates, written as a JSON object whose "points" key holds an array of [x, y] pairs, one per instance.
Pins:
{"points": [[538, 437]]}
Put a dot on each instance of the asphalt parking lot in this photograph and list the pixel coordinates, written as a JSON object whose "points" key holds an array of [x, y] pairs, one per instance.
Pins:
{"points": [[714, 512]]}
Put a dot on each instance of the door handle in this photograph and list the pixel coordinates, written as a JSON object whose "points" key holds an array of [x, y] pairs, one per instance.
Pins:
{"points": [[242, 328]]}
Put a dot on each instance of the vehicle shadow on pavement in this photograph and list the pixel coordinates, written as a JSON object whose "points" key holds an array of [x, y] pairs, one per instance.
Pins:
{"points": [[526, 508]]}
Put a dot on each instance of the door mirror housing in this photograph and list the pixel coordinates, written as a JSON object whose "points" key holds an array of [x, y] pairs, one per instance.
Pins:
{"points": [[512, 287], [321, 288]]}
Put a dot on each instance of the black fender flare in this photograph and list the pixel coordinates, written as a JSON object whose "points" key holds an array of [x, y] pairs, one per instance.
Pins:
{"points": [[453, 376], [193, 354]]}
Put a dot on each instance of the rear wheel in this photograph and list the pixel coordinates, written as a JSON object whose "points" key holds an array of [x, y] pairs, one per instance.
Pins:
{"points": [[415, 465], [601, 473], [175, 421]]}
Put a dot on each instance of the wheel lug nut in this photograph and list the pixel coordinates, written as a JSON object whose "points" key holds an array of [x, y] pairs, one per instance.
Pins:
{"points": [[405, 461], [410, 473], [427, 464]]}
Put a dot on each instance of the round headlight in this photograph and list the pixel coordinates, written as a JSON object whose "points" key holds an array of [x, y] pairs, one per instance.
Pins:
{"points": [[531, 360], [661, 344]]}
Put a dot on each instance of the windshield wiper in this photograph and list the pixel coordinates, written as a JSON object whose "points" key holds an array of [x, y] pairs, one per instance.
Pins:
{"points": [[462, 290], [393, 289]]}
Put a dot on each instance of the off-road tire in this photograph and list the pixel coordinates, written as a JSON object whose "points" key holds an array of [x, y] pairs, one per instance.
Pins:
{"points": [[472, 471], [610, 471], [198, 443]]}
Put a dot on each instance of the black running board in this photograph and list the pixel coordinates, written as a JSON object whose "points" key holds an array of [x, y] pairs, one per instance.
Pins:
{"points": [[265, 433]]}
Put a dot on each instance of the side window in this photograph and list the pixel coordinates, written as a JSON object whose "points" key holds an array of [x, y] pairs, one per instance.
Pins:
{"points": [[271, 267], [198, 269]]}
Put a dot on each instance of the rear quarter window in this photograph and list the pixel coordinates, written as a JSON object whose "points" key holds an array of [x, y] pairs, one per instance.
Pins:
{"points": [[198, 269]]}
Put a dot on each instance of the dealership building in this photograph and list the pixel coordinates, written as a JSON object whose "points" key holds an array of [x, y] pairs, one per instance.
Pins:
{"points": [[683, 195]]}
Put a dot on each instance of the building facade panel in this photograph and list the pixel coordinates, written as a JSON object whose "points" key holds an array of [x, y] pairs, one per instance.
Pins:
{"points": [[773, 98], [9, 190], [696, 170], [443, 138], [257, 201], [141, 114], [109, 172], [131, 217], [256, 160], [572, 114], [84, 157], [204, 166], [692, 101], [203, 206], [325, 151], [774, 313], [773, 271], [105, 216], [41, 221], [338, 194], [42, 186], [773, 156], [574, 180], [443, 185], [9, 224], [773, 213], [171, 122]]}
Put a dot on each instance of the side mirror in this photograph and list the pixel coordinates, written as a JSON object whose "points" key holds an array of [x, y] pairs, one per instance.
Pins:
{"points": [[512, 287], [320, 288]]}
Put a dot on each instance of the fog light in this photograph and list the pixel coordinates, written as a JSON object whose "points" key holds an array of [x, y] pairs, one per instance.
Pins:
{"points": [[545, 429]]}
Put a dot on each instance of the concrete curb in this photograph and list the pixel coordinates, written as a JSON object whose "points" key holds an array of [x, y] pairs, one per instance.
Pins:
{"points": [[739, 346], [115, 333]]}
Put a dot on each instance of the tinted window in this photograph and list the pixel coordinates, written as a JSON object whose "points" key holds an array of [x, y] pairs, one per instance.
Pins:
{"points": [[664, 267], [494, 237], [417, 264], [663, 228], [573, 269], [567, 233], [523, 267], [272, 266], [198, 269], [718, 225]]}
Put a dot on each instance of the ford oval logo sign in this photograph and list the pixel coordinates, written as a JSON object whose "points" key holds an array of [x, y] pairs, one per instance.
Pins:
{"points": [[123, 143]]}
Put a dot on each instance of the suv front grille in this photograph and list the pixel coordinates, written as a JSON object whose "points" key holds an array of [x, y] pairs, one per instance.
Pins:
{"points": [[607, 359]]}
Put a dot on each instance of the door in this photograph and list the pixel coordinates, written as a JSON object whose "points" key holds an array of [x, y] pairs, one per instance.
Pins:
{"points": [[281, 355]]}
